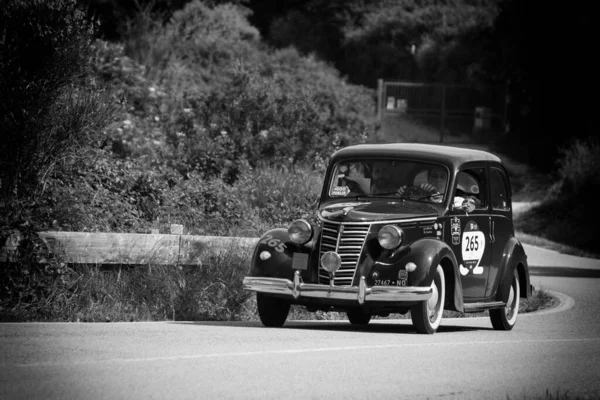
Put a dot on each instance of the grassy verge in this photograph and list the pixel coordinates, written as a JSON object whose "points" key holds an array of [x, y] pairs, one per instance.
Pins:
{"points": [[557, 395], [92, 293]]}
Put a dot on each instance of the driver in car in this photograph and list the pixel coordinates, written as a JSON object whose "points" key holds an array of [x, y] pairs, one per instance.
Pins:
{"points": [[434, 187]]}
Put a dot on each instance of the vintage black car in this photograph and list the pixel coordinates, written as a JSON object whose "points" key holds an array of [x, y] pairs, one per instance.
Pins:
{"points": [[399, 228]]}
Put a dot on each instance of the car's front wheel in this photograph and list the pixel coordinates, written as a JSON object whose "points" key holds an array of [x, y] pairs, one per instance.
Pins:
{"points": [[427, 315], [272, 311], [358, 317], [503, 319]]}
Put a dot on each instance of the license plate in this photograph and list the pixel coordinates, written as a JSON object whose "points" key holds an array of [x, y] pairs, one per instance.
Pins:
{"points": [[390, 282], [300, 261]]}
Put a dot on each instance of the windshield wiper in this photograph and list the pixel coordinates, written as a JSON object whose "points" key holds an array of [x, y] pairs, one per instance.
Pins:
{"points": [[384, 194]]}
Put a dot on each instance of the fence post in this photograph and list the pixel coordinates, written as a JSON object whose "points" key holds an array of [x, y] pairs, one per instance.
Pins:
{"points": [[379, 99], [443, 116]]}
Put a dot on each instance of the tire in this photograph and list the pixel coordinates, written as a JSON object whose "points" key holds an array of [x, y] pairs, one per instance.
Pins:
{"points": [[272, 311], [358, 317], [504, 319], [427, 315]]}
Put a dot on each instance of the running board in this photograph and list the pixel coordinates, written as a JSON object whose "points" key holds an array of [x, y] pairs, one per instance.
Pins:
{"points": [[475, 307]]}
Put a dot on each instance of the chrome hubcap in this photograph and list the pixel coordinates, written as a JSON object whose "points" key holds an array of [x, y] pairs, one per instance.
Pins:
{"points": [[433, 300], [510, 303]]}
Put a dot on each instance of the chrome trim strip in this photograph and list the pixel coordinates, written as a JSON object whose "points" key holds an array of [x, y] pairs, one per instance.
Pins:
{"points": [[361, 294], [470, 307], [391, 221]]}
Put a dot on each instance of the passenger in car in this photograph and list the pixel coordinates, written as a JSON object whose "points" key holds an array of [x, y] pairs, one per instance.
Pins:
{"points": [[381, 178], [466, 188]]}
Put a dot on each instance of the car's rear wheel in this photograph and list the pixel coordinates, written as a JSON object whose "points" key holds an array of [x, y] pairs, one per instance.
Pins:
{"points": [[358, 316], [272, 311], [427, 315], [503, 319]]}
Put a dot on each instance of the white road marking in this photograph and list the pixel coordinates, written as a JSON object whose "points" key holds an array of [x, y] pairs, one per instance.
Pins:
{"points": [[291, 351]]}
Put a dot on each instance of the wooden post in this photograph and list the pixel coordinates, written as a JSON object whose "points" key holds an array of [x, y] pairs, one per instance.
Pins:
{"points": [[379, 99], [443, 116]]}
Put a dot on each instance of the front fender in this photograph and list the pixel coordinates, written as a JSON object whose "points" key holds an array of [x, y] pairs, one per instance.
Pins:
{"points": [[276, 243], [427, 254]]}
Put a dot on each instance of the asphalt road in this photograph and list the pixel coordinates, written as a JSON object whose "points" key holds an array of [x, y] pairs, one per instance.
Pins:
{"points": [[555, 351]]}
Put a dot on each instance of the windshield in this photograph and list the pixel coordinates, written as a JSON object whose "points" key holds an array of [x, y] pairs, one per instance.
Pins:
{"points": [[391, 178]]}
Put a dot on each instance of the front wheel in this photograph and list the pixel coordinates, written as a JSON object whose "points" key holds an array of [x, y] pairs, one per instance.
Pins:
{"points": [[358, 317], [427, 315], [272, 311], [503, 319]]}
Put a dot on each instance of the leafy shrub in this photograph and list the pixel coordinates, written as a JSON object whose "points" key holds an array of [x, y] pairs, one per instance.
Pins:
{"points": [[197, 46], [211, 291], [579, 169], [567, 215], [48, 110]]}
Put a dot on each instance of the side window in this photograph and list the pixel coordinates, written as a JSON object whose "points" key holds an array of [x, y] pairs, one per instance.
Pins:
{"points": [[499, 188], [471, 183]]}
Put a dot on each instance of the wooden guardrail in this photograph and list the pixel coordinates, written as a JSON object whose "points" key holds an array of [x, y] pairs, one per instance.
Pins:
{"points": [[132, 248]]}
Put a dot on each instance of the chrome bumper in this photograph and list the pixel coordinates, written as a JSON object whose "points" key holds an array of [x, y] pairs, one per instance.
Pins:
{"points": [[361, 294]]}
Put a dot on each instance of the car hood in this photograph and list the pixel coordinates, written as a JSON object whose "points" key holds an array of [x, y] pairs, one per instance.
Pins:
{"points": [[376, 210]]}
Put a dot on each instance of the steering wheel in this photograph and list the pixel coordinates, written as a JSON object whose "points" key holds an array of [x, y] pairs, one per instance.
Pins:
{"points": [[416, 192]]}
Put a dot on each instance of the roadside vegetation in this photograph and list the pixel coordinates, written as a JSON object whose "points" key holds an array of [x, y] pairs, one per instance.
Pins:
{"points": [[194, 121], [555, 395], [565, 214]]}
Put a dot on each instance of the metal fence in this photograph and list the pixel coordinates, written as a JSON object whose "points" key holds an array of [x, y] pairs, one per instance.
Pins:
{"points": [[428, 112]]}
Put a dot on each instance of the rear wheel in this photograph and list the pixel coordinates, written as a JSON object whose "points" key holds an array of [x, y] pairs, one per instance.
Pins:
{"points": [[427, 315], [358, 317], [503, 319], [272, 311]]}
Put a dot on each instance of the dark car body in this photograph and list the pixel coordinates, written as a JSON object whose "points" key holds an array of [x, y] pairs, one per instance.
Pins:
{"points": [[391, 250]]}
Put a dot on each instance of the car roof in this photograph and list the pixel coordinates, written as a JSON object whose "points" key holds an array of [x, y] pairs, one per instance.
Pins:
{"points": [[449, 155]]}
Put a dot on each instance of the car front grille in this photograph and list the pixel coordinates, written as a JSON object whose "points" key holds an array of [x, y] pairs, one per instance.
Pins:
{"points": [[347, 240]]}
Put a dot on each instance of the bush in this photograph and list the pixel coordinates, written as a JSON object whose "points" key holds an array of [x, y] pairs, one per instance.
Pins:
{"points": [[49, 111], [568, 214], [579, 169], [92, 293], [196, 48]]}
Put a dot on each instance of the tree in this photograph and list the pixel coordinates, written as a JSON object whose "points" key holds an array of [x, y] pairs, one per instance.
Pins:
{"points": [[420, 40], [547, 53]]}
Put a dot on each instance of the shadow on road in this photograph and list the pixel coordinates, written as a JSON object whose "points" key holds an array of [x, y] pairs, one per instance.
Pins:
{"points": [[337, 326]]}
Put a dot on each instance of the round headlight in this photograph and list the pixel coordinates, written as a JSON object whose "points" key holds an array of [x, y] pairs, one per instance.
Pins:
{"points": [[331, 261], [300, 231], [390, 237]]}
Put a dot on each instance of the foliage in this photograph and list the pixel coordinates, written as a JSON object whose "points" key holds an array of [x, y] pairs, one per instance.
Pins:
{"points": [[568, 213], [216, 132], [276, 106], [526, 49], [49, 110], [92, 293], [579, 169], [421, 40], [196, 48]]}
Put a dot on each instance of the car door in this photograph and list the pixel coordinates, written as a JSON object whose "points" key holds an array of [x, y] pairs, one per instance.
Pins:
{"points": [[502, 226], [470, 231]]}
